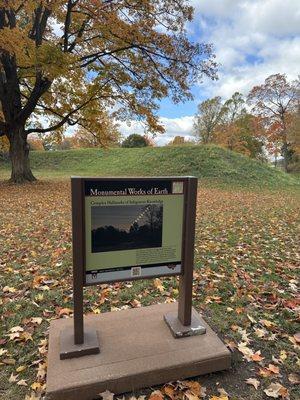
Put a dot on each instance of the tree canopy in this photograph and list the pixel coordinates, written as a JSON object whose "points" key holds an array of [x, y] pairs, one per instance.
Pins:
{"points": [[276, 102], [135, 140]]}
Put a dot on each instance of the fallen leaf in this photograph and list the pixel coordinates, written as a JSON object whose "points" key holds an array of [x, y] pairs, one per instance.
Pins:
{"points": [[283, 355], [65, 311], [12, 378], [16, 329], [169, 391], [36, 385], [37, 320], [294, 378], [22, 382], [297, 337], [257, 357], [273, 369], [194, 387], [156, 395], [107, 395], [254, 382], [21, 368], [158, 284], [276, 390]]}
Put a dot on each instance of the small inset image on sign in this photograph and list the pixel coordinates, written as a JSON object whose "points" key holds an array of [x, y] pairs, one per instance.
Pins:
{"points": [[126, 227], [177, 188], [136, 271]]}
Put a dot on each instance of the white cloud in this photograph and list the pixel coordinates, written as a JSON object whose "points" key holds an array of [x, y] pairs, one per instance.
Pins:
{"points": [[253, 39], [174, 127]]}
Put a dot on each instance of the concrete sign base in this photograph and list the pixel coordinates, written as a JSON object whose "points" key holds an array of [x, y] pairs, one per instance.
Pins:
{"points": [[180, 331], [137, 350]]}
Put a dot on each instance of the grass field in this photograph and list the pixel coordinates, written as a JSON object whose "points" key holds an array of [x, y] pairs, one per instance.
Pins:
{"points": [[245, 280], [212, 164]]}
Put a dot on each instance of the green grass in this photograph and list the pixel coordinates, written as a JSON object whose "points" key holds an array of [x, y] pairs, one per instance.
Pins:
{"points": [[210, 163]]}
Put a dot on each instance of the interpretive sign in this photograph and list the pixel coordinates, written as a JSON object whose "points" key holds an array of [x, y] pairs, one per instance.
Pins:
{"points": [[125, 229], [133, 228]]}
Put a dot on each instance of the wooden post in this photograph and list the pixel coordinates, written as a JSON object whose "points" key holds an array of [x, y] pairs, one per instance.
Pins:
{"points": [[78, 342], [187, 322], [186, 279], [78, 260]]}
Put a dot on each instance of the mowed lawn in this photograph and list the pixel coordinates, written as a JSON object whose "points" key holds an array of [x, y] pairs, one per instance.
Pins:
{"points": [[245, 284]]}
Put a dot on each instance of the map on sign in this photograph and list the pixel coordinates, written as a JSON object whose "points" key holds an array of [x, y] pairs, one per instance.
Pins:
{"points": [[132, 229]]}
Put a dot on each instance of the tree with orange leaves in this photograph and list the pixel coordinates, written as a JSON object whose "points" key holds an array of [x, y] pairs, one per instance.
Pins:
{"points": [[58, 58], [275, 101]]}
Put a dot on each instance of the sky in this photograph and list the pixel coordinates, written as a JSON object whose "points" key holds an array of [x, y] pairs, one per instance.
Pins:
{"points": [[121, 217], [252, 39]]}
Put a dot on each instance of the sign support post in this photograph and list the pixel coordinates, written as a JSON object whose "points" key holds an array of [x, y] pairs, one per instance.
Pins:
{"points": [[78, 342], [187, 322]]}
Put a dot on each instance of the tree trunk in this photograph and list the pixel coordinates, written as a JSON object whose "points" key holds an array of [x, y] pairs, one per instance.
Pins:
{"points": [[285, 155], [19, 156]]}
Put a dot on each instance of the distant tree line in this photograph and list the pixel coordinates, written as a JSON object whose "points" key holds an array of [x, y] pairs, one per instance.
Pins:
{"points": [[267, 120]]}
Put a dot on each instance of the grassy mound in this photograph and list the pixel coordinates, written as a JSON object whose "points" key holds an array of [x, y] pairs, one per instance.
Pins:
{"points": [[211, 163]]}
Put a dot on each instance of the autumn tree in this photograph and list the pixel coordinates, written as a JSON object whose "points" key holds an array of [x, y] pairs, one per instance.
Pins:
{"points": [[35, 143], [96, 129], [135, 140], [209, 116], [181, 141], [274, 102], [176, 141], [58, 58], [228, 130]]}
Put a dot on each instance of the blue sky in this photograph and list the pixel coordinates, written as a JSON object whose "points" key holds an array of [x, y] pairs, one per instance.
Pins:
{"points": [[252, 39]]}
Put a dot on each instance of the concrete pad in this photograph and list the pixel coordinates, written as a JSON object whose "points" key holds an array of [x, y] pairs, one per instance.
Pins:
{"points": [[180, 331], [137, 350]]}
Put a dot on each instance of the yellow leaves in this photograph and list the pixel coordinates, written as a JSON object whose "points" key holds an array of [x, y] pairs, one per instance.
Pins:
{"points": [[18, 334], [219, 398], [158, 284], [267, 324], [21, 368], [8, 289], [283, 355], [15, 41], [36, 386], [54, 62]]}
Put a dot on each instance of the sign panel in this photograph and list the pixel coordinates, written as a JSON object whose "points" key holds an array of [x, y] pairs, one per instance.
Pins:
{"points": [[129, 228], [133, 228]]}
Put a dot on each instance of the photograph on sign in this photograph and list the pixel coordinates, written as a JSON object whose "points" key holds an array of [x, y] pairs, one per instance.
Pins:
{"points": [[132, 229], [126, 227]]}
